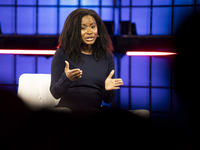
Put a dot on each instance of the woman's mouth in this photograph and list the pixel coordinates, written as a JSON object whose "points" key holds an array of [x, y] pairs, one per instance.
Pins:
{"points": [[89, 38]]}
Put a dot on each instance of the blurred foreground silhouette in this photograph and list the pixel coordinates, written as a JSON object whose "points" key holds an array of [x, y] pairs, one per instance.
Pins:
{"points": [[103, 129]]}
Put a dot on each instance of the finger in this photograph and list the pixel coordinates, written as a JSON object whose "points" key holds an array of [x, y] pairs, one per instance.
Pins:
{"points": [[111, 74], [73, 70], [117, 84], [73, 74], [67, 65], [77, 73], [118, 81], [77, 77], [116, 88]]}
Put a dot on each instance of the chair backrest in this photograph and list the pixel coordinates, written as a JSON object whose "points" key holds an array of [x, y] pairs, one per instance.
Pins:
{"points": [[34, 90]]}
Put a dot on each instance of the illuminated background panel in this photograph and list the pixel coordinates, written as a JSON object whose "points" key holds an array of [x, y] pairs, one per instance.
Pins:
{"points": [[116, 22], [45, 2], [25, 2], [160, 99], [64, 13], [116, 66], [7, 20], [106, 3], [6, 69], [7, 2], [124, 72], [160, 71], [141, 2], [141, 17], [44, 64], [140, 71], [183, 2], [107, 14], [125, 2], [140, 98], [161, 23], [90, 2], [64, 2], [24, 64], [46, 24], [125, 15], [124, 98], [26, 20], [162, 2]]}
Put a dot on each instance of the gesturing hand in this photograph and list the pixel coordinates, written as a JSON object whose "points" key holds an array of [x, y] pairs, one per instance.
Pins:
{"points": [[112, 84], [73, 74]]}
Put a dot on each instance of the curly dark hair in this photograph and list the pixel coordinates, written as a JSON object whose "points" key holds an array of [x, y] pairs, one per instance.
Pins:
{"points": [[70, 38]]}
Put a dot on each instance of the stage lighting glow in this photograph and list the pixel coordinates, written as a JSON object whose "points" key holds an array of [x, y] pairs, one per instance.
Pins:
{"points": [[27, 52], [140, 53], [51, 52]]}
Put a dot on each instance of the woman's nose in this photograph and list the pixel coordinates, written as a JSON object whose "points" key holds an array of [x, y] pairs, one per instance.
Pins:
{"points": [[89, 31]]}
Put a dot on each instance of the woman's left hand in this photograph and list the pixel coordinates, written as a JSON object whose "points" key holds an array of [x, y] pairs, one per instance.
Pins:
{"points": [[112, 84]]}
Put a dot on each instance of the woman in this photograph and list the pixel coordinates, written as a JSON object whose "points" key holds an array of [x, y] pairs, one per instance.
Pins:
{"points": [[83, 66]]}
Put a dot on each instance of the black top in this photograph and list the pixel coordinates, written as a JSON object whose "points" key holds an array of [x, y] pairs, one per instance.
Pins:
{"points": [[89, 90]]}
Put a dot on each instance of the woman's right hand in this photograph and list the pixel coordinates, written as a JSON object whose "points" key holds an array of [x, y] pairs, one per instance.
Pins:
{"points": [[73, 74]]}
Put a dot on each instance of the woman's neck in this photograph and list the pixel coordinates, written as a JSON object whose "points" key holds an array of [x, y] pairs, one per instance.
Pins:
{"points": [[86, 49]]}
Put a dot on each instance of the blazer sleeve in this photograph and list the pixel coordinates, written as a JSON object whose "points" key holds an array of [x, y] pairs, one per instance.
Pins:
{"points": [[108, 96], [59, 81]]}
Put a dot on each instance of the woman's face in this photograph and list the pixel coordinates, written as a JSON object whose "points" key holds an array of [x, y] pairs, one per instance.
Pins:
{"points": [[89, 30]]}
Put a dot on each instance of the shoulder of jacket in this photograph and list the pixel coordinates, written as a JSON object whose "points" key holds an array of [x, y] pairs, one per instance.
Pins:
{"points": [[59, 51], [110, 55]]}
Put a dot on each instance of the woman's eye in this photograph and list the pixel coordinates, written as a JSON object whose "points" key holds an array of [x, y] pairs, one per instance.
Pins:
{"points": [[93, 27], [83, 28]]}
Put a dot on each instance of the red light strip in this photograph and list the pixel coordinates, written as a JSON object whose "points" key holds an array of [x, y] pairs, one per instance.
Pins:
{"points": [[51, 52], [27, 52], [131, 53]]}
